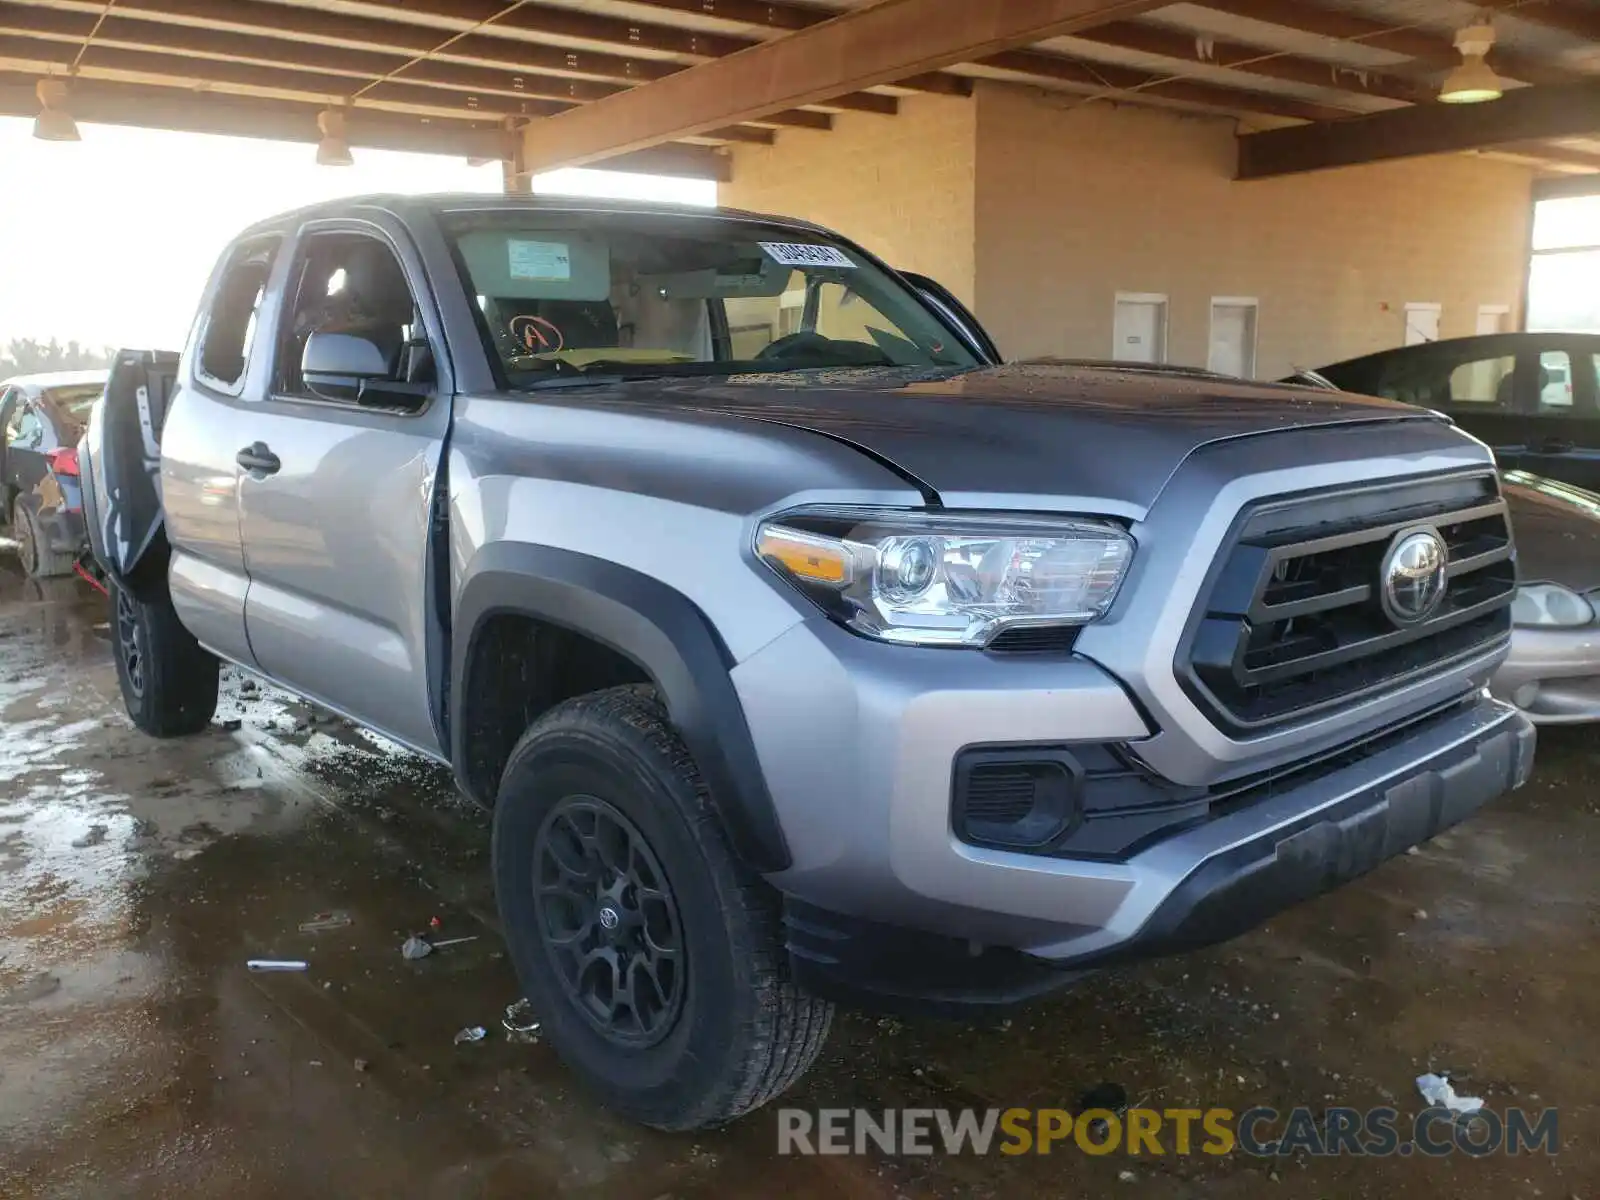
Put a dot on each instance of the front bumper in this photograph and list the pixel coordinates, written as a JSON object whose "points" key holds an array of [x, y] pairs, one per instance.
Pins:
{"points": [[1552, 675], [857, 746]]}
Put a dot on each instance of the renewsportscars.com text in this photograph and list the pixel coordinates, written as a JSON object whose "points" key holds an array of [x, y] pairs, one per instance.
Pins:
{"points": [[1375, 1132]]}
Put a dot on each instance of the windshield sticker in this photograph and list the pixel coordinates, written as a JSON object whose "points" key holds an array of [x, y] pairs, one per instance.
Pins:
{"points": [[539, 260], [794, 254]]}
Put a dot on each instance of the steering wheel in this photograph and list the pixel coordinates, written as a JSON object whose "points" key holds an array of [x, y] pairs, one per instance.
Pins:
{"points": [[796, 345]]}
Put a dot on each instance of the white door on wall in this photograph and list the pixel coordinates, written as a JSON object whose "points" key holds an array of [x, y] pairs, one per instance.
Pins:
{"points": [[1233, 337], [1422, 323], [1494, 318], [1139, 332]]}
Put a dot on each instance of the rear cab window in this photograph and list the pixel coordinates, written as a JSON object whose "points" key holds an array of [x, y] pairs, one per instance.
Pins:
{"points": [[228, 325]]}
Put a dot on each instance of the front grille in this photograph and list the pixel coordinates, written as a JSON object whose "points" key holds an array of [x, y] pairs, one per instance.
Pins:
{"points": [[1001, 794], [1035, 639], [1294, 623]]}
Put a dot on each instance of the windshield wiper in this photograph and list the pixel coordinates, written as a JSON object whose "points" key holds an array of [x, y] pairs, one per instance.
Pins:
{"points": [[549, 382]]}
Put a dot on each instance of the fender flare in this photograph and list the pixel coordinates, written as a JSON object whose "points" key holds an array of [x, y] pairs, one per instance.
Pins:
{"points": [[665, 634]]}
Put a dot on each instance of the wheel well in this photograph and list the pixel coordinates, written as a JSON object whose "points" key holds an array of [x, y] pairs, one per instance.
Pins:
{"points": [[519, 667]]}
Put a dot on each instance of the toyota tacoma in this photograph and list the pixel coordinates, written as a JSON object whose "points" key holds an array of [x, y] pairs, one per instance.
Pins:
{"points": [[805, 651]]}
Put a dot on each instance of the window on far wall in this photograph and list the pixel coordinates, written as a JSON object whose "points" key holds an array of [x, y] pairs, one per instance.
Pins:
{"points": [[1566, 262]]}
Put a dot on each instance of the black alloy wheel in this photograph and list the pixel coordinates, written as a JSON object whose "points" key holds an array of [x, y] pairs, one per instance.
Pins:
{"points": [[130, 640], [609, 921]]}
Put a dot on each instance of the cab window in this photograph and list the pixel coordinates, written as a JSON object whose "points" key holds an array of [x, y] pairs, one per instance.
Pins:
{"points": [[228, 330], [353, 283]]}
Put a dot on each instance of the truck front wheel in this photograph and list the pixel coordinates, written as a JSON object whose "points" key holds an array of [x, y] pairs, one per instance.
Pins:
{"points": [[653, 957], [169, 681]]}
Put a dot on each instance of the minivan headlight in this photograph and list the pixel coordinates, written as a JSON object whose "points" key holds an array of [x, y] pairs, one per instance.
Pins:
{"points": [[1550, 605], [947, 579]]}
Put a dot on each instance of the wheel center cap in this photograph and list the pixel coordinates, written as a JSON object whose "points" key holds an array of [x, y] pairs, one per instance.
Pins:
{"points": [[610, 918]]}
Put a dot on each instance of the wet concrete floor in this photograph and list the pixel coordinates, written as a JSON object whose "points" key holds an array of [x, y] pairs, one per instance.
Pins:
{"points": [[139, 1058]]}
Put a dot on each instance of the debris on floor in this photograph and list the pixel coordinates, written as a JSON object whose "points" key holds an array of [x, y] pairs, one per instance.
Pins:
{"points": [[415, 946], [1436, 1090], [323, 921], [472, 1033], [519, 1022], [278, 964]]}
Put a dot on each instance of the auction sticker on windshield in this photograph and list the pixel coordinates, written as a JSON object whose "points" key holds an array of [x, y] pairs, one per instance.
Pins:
{"points": [[796, 254], [539, 260]]}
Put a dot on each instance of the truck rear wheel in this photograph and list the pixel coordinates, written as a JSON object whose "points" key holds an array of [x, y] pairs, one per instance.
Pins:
{"points": [[38, 560], [169, 682], [653, 957]]}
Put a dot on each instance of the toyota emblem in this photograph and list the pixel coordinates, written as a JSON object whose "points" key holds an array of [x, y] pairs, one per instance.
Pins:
{"points": [[1412, 581]]}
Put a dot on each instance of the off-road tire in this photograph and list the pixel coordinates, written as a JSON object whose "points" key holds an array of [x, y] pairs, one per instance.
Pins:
{"points": [[744, 1032], [169, 682], [39, 561]]}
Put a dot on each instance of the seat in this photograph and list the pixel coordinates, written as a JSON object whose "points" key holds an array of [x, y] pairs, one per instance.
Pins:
{"points": [[1505, 392]]}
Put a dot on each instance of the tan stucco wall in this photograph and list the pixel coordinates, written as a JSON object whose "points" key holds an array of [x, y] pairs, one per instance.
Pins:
{"points": [[901, 186], [1075, 205]]}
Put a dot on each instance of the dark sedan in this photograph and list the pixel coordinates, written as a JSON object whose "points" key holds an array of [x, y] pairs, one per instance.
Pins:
{"points": [[42, 417], [1553, 671], [1534, 397]]}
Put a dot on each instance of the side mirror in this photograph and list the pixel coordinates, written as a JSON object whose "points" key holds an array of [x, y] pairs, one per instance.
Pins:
{"points": [[336, 366]]}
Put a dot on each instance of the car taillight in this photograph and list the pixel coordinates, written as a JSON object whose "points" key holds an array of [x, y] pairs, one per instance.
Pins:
{"points": [[63, 461]]}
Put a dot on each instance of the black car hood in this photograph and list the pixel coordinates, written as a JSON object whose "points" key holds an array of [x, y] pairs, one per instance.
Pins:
{"points": [[1557, 528], [1027, 427]]}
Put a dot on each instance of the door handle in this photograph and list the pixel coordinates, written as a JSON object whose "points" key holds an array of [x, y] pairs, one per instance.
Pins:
{"points": [[1553, 445], [258, 460]]}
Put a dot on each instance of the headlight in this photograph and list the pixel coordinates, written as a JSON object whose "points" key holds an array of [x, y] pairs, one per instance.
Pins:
{"points": [[1550, 604], [947, 579]]}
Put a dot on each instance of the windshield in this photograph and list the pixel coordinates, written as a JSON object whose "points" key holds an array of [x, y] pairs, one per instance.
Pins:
{"points": [[75, 401], [649, 295]]}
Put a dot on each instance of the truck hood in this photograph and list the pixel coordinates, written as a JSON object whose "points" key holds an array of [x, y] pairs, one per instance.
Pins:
{"points": [[1024, 428]]}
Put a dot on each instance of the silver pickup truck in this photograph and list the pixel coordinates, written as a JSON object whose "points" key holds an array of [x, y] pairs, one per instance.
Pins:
{"points": [[805, 651]]}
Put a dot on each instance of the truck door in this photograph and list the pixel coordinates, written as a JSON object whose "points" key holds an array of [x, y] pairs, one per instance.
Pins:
{"points": [[336, 497], [205, 418]]}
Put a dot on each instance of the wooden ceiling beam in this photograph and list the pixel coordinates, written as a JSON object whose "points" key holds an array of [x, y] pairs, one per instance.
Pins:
{"points": [[1251, 60], [286, 54], [788, 17], [389, 34], [862, 48], [1554, 152], [576, 26], [180, 72], [1429, 48], [1580, 21], [153, 106], [310, 87], [318, 27], [1135, 84], [1571, 185], [1522, 114], [21, 26]]}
